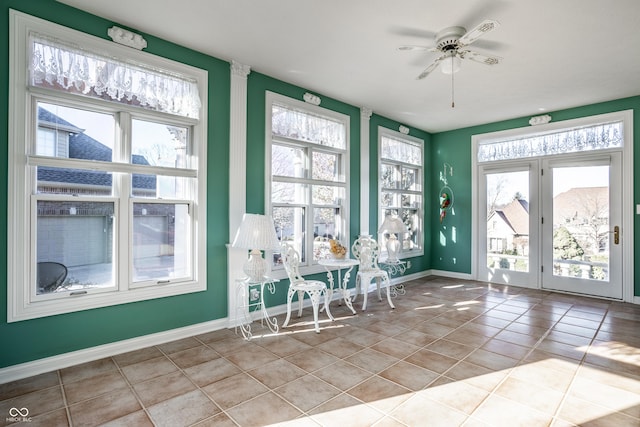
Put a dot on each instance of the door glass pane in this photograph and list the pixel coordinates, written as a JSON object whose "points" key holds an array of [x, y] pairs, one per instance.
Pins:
{"points": [[508, 221], [161, 241], [74, 245], [581, 222]]}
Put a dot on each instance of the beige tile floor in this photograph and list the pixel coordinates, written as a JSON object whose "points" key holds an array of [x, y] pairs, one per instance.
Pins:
{"points": [[452, 353]]}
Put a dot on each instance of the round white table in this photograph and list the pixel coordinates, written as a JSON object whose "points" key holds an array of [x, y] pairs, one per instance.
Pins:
{"points": [[331, 264]]}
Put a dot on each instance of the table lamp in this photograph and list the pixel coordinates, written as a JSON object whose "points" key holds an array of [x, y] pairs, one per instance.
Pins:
{"points": [[257, 233], [392, 225]]}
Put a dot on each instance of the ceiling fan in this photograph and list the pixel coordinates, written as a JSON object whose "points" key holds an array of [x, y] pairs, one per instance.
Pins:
{"points": [[452, 43]]}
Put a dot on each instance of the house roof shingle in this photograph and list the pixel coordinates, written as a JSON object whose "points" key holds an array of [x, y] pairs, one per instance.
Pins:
{"points": [[82, 146]]}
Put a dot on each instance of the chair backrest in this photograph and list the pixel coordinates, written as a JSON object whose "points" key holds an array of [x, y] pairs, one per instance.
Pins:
{"points": [[291, 262], [51, 275], [366, 250]]}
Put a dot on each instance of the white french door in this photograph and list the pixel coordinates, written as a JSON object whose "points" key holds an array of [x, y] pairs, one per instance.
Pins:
{"points": [[553, 223], [508, 212], [581, 225]]}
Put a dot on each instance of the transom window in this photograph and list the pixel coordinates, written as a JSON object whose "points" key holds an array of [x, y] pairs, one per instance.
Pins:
{"points": [[108, 173], [601, 136], [401, 190], [307, 164]]}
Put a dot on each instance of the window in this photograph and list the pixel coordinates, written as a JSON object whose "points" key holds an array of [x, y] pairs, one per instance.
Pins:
{"points": [[107, 182], [307, 174], [401, 190], [601, 136]]}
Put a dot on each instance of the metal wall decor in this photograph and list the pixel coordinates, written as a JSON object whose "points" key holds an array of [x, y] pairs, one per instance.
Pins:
{"points": [[445, 195]]}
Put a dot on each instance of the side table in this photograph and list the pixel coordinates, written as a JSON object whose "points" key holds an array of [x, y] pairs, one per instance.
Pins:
{"points": [[396, 268], [331, 264], [250, 298]]}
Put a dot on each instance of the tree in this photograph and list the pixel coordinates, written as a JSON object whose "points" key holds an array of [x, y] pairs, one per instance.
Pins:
{"points": [[565, 246]]}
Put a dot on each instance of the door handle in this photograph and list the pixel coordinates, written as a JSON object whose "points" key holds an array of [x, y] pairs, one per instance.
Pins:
{"points": [[616, 235]]}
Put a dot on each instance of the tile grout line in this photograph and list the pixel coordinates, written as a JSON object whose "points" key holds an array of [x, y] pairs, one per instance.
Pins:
{"points": [[565, 395]]}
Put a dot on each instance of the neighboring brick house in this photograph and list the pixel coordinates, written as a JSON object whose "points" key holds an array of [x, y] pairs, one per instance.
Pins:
{"points": [[66, 226]]}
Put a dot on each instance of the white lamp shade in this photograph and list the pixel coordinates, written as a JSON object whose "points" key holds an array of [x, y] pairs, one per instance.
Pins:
{"points": [[392, 224], [256, 232]]}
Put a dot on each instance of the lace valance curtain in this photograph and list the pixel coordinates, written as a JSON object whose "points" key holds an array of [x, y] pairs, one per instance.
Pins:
{"points": [[68, 68], [401, 150], [304, 126], [596, 137]]}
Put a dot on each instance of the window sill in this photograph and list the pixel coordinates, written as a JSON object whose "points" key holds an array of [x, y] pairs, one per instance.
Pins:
{"points": [[33, 310]]}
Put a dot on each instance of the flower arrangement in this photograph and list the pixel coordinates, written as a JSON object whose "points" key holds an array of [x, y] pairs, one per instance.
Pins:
{"points": [[337, 249]]}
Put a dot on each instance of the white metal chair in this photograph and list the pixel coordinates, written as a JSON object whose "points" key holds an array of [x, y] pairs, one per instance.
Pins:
{"points": [[366, 250], [298, 284]]}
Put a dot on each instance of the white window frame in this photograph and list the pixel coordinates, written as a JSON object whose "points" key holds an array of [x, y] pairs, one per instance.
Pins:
{"points": [[309, 267], [21, 232], [389, 133]]}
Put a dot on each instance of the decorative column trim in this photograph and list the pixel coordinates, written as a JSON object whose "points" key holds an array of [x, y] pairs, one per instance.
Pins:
{"points": [[239, 70], [365, 116], [237, 180]]}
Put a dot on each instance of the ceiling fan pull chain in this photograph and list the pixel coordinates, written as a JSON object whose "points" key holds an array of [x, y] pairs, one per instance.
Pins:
{"points": [[452, 103]]}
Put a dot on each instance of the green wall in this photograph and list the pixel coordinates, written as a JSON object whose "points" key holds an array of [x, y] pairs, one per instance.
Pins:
{"points": [[451, 240], [38, 338]]}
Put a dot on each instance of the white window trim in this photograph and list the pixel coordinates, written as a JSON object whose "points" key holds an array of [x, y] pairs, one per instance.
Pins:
{"points": [[19, 273], [272, 98], [382, 131]]}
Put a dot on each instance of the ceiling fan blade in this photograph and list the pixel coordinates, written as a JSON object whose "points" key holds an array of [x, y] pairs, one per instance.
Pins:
{"points": [[431, 67], [412, 47], [479, 57], [478, 31]]}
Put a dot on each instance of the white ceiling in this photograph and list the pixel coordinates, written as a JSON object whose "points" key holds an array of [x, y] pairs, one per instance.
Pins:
{"points": [[557, 53]]}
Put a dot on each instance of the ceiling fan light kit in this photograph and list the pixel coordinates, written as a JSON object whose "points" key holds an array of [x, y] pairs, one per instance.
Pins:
{"points": [[450, 66]]}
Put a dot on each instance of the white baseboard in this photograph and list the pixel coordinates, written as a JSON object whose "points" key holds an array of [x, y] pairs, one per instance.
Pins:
{"points": [[451, 274], [65, 360]]}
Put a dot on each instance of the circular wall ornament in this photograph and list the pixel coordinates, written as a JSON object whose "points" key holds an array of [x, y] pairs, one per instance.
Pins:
{"points": [[446, 200]]}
